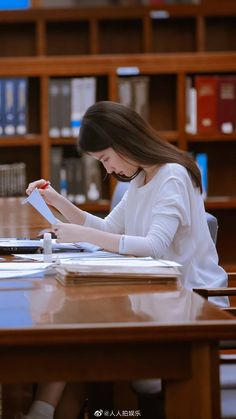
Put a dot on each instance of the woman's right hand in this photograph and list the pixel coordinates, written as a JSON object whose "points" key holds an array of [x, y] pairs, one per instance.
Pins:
{"points": [[46, 191]]}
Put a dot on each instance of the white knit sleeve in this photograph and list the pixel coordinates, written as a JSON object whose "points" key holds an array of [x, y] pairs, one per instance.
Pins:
{"points": [[170, 210], [113, 223]]}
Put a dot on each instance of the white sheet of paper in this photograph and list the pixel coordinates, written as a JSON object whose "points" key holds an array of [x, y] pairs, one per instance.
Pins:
{"points": [[23, 266], [18, 274], [40, 205], [66, 255]]}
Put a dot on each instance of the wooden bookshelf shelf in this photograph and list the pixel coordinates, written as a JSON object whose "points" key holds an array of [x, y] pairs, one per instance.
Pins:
{"points": [[63, 141], [230, 268], [98, 206], [211, 137], [171, 136], [26, 141], [224, 202], [152, 64], [105, 42]]}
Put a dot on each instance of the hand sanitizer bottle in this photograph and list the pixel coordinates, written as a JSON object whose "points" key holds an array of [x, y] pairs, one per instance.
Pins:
{"points": [[47, 247]]}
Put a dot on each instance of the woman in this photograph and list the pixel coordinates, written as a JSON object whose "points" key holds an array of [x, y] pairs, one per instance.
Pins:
{"points": [[161, 215]]}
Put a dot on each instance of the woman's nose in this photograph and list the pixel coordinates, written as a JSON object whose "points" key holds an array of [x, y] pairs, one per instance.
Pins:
{"points": [[107, 168]]}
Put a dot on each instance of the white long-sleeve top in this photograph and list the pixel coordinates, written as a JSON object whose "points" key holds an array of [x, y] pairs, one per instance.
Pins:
{"points": [[165, 218]]}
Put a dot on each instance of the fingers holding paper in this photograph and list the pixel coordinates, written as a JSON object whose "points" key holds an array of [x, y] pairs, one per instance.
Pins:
{"points": [[68, 233], [71, 212], [46, 191], [40, 184]]}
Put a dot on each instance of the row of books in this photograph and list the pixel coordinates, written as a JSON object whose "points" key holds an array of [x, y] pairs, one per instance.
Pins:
{"points": [[134, 93], [12, 179], [69, 98], [13, 106], [77, 178], [211, 104]]}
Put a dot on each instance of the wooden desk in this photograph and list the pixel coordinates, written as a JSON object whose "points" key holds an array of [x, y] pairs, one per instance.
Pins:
{"points": [[104, 333]]}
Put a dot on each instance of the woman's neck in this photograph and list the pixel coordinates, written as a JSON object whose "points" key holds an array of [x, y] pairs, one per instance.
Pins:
{"points": [[150, 172]]}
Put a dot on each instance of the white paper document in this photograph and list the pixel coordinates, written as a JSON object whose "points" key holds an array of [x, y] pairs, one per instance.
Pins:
{"points": [[23, 266], [36, 200], [18, 274], [22, 269], [69, 255]]}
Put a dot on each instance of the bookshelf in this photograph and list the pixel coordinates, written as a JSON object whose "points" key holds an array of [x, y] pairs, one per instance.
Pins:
{"points": [[165, 43]]}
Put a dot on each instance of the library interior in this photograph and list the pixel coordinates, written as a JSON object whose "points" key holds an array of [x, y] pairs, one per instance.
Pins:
{"points": [[140, 343]]}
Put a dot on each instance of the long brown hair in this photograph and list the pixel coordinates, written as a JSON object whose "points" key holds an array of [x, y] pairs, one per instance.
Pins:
{"points": [[110, 124]]}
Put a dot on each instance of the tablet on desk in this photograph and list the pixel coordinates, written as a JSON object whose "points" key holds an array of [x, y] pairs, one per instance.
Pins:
{"points": [[14, 245]]}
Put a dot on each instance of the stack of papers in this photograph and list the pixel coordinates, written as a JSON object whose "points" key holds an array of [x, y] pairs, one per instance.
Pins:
{"points": [[116, 271]]}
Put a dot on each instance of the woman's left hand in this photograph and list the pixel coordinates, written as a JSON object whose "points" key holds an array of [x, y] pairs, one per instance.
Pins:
{"points": [[68, 233]]}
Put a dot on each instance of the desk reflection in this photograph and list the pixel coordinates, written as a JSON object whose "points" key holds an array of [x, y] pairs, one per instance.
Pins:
{"points": [[9, 316], [47, 302], [53, 304]]}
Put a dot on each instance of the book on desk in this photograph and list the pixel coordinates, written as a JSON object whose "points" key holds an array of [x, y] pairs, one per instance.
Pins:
{"points": [[116, 271]]}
